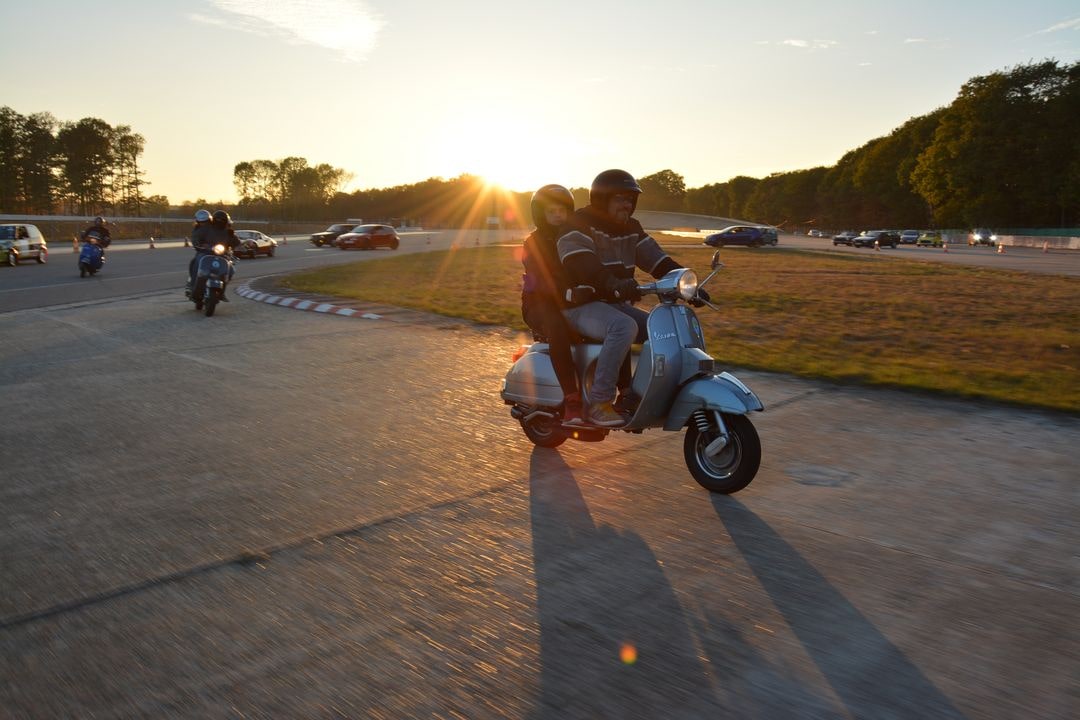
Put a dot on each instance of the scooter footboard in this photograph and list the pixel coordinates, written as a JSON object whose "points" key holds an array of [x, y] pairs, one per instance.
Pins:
{"points": [[723, 392]]}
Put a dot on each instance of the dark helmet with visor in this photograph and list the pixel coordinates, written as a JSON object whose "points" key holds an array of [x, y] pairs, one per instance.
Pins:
{"points": [[221, 217], [612, 182], [547, 196]]}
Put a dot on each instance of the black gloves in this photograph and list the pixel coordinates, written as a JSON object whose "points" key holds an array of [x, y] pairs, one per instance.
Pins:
{"points": [[700, 298], [625, 289]]}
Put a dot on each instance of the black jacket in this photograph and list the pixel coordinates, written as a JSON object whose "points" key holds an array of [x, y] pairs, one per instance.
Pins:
{"points": [[597, 252], [544, 278], [100, 231], [204, 237]]}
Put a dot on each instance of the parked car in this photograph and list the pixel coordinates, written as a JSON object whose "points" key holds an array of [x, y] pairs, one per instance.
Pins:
{"points": [[253, 243], [909, 237], [930, 238], [884, 238], [19, 241], [844, 238], [982, 236], [369, 237], [330, 234], [752, 236]]}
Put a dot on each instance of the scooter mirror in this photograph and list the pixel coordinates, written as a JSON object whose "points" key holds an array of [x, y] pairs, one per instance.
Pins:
{"points": [[715, 262]]}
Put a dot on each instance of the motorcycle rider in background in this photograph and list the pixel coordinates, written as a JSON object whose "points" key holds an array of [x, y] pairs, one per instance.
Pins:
{"points": [[209, 231], [100, 230], [600, 246], [544, 286]]}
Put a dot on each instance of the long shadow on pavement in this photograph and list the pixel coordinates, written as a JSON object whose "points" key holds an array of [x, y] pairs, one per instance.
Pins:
{"points": [[600, 590], [869, 674]]}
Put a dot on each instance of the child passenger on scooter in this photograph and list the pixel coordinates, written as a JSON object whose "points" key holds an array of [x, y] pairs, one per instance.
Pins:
{"points": [[543, 286]]}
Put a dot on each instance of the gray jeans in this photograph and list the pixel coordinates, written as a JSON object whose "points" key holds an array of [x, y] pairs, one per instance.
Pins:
{"points": [[619, 325]]}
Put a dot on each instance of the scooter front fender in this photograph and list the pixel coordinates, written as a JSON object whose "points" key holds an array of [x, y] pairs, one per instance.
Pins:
{"points": [[723, 392]]}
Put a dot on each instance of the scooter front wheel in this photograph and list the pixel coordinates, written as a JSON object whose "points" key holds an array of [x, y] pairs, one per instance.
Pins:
{"points": [[732, 468], [544, 432]]}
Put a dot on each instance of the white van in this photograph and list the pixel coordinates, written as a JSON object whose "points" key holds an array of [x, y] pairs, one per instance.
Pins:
{"points": [[19, 241]]}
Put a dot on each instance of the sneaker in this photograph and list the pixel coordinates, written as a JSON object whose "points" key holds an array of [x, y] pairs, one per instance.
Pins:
{"points": [[571, 412], [605, 415]]}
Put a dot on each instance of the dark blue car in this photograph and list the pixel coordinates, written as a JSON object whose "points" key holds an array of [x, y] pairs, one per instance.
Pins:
{"points": [[743, 235]]}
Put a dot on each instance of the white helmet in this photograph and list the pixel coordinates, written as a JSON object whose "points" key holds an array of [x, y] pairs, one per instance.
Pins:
{"points": [[202, 216]]}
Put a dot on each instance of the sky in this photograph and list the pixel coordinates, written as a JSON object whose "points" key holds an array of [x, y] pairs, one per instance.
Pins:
{"points": [[521, 93]]}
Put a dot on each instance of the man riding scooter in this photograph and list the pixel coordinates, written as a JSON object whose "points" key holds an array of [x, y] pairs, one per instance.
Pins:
{"points": [[100, 230], [209, 230], [600, 247]]}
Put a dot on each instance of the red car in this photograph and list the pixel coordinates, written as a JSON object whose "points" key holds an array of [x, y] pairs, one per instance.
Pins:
{"points": [[369, 237]]}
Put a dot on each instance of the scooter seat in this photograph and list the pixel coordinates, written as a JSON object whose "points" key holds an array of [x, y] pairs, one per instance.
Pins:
{"points": [[575, 339]]}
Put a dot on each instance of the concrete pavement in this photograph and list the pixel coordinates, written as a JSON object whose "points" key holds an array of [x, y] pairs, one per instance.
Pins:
{"points": [[283, 514]]}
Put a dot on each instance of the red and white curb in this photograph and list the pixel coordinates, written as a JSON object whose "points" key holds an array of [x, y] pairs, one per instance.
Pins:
{"points": [[300, 304]]}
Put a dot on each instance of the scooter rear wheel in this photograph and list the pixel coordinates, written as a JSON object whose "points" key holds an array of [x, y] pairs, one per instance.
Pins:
{"points": [[732, 468], [544, 432]]}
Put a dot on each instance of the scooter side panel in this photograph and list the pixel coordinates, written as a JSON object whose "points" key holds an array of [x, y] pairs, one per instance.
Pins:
{"points": [[532, 380], [721, 392]]}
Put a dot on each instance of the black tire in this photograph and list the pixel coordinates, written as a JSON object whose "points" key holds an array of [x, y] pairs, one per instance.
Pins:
{"points": [[735, 466], [544, 432], [394, 245], [42, 257], [270, 252], [82, 270], [12, 258], [211, 305]]}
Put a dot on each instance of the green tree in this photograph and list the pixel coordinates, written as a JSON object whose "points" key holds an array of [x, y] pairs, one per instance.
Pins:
{"points": [[86, 153], [997, 155], [664, 190], [11, 124]]}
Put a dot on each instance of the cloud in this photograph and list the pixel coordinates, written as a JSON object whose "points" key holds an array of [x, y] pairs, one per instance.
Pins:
{"points": [[345, 26], [809, 44], [871, 32], [914, 40], [1073, 24]]}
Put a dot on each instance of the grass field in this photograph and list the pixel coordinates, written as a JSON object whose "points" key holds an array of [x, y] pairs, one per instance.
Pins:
{"points": [[873, 320]]}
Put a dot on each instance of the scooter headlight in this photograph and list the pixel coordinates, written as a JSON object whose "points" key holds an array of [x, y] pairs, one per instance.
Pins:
{"points": [[219, 249], [687, 284]]}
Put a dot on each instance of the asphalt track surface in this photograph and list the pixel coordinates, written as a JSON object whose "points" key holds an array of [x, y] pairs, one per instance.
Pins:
{"points": [[273, 513]]}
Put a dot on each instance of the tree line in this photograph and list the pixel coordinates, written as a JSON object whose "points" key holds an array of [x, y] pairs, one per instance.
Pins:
{"points": [[84, 167], [1004, 153]]}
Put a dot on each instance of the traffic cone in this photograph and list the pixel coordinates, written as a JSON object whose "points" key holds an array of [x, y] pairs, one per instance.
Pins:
{"points": [[186, 243], [1046, 246], [75, 243], [152, 242], [1001, 249], [284, 239], [877, 246], [945, 246]]}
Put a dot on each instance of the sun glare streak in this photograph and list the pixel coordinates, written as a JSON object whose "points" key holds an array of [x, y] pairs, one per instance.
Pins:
{"points": [[346, 26], [507, 153]]}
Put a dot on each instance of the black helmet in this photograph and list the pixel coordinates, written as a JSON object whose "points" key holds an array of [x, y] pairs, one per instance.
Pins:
{"points": [[547, 196], [221, 217], [610, 182], [99, 220]]}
